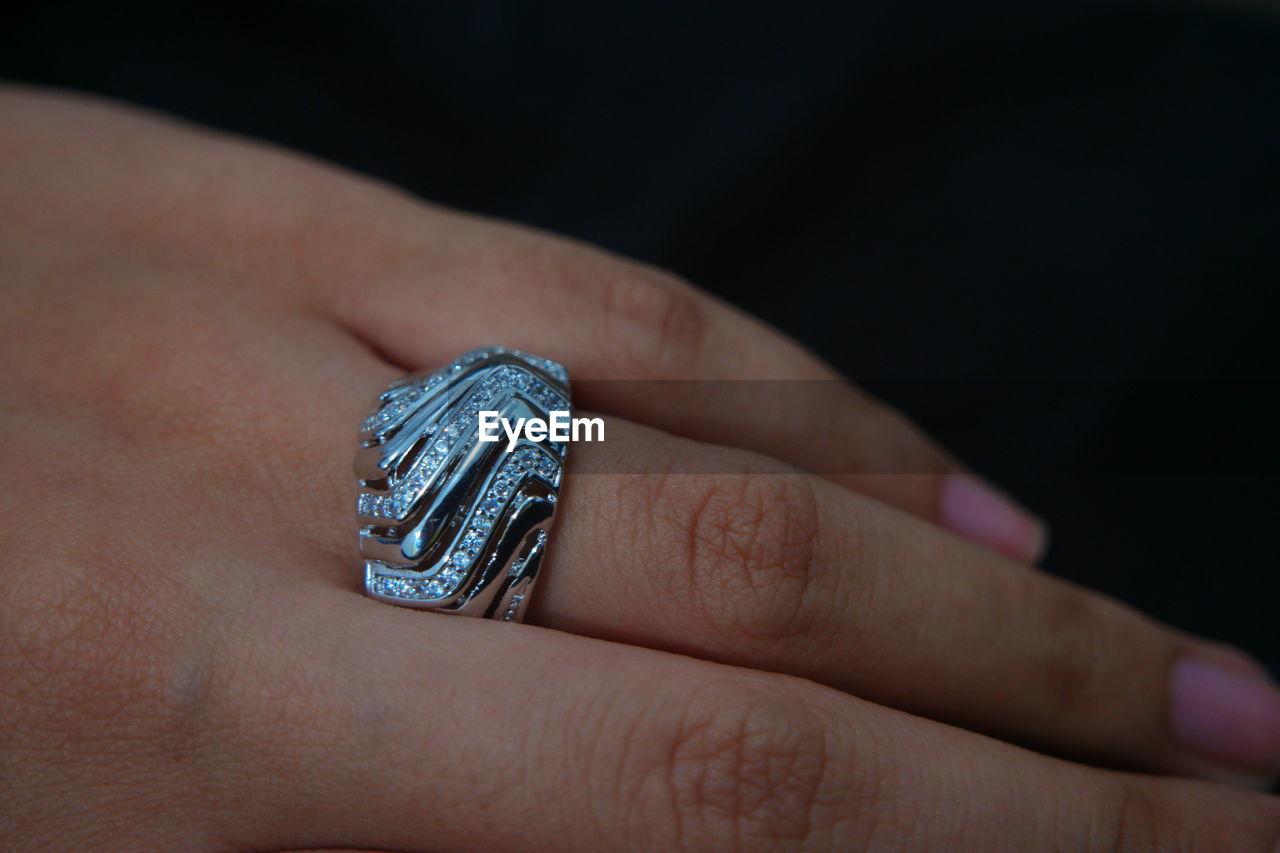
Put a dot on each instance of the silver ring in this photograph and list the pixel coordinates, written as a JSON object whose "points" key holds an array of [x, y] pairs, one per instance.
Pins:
{"points": [[449, 522]]}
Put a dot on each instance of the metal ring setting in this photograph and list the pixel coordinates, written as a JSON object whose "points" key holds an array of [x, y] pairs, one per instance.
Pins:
{"points": [[449, 522]]}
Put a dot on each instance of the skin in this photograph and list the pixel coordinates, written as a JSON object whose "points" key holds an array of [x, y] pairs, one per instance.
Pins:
{"points": [[193, 327]]}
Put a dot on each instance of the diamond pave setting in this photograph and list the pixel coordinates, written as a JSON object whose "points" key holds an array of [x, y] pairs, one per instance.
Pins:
{"points": [[447, 522]]}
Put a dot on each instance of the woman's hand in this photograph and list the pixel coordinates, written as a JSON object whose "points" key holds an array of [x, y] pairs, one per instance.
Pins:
{"points": [[192, 330]]}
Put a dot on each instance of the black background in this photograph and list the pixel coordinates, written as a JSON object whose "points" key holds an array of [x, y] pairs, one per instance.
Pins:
{"points": [[1047, 231]]}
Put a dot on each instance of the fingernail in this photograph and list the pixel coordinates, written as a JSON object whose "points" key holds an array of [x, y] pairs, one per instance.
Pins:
{"points": [[1229, 716], [975, 510]]}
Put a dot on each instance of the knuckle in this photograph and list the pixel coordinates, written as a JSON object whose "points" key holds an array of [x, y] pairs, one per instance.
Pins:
{"points": [[157, 384], [101, 700], [1139, 822], [1074, 670], [748, 553], [89, 652], [1182, 815], [744, 765], [650, 323], [655, 320]]}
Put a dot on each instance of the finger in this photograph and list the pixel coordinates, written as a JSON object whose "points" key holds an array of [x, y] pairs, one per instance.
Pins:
{"points": [[778, 570], [644, 335], [410, 731], [423, 285]]}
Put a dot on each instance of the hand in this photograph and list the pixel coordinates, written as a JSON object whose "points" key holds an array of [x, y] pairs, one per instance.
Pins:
{"points": [[193, 327]]}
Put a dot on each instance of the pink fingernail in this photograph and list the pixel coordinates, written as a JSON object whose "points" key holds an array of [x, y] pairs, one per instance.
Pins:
{"points": [[976, 511], [1228, 716]]}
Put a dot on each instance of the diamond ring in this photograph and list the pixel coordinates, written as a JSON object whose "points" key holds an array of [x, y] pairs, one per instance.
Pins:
{"points": [[448, 521]]}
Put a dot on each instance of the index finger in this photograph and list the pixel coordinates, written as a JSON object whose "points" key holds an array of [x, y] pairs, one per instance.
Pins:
{"points": [[457, 282], [422, 285]]}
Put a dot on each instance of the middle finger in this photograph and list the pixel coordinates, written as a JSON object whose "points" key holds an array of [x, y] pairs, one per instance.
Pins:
{"points": [[750, 562]]}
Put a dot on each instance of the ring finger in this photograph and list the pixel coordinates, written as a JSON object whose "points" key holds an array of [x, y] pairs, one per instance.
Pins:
{"points": [[767, 567]]}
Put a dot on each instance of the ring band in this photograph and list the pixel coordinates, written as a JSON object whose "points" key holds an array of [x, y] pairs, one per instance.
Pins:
{"points": [[449, 522]]}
